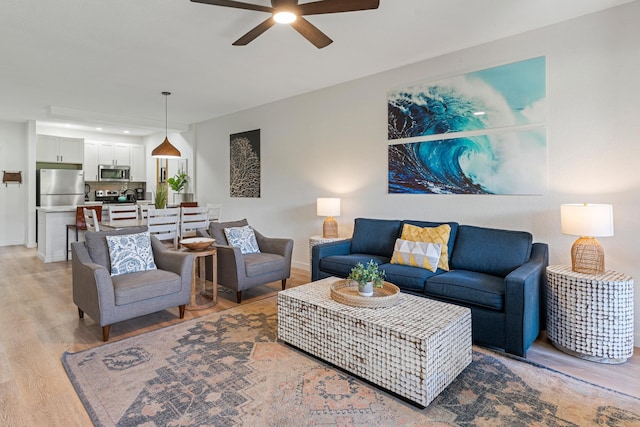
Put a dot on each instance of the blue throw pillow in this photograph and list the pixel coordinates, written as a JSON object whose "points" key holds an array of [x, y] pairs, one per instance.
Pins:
{"points": [[130, 253], [375, 236], [243, 238]]}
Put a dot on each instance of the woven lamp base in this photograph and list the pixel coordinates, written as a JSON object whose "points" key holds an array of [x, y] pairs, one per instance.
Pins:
{"points": [[587, 256], [330, 227]]}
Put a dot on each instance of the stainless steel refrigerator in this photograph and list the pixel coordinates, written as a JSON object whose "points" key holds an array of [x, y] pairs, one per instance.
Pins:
{"points": [[59, 187]]}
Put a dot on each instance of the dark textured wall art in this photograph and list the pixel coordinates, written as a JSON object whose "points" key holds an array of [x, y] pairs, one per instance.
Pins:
{"points": [[478, 133], [245, 164]]}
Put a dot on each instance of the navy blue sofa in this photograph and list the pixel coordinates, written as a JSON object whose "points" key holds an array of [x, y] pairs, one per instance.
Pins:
{"points": [[498, 274]]}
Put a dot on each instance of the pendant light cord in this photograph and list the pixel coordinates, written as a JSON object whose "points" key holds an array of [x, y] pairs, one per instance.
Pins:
{"points": [[166, 116]]}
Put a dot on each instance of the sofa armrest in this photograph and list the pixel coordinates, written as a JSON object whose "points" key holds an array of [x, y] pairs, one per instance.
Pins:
{"points": [[92, 286], [274, 245], [180, 263], [340, 247], [230, 265], [524, 301]]}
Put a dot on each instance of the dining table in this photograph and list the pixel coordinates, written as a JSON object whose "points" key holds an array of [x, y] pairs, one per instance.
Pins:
{"points": [[119, 224]]}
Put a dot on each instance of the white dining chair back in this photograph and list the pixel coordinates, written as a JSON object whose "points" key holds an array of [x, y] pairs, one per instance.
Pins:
{"points": [[214, 212], [191, 219], [91, 219], [118, 212], [143, 209], [164, 223]]}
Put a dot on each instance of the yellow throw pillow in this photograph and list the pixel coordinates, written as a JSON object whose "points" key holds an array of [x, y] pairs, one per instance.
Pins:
{"points": [[416, 254], [438, 234]]}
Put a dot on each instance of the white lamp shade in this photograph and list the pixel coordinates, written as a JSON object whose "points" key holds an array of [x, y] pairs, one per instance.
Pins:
{"points": [[328, 206], [587, 220]]}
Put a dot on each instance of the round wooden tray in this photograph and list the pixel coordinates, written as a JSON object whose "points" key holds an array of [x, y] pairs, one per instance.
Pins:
{"points": [[197, 243], [346, 292]]}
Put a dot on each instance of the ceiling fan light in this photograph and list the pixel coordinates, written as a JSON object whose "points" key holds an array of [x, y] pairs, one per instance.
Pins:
{"points": [[284, 17]]}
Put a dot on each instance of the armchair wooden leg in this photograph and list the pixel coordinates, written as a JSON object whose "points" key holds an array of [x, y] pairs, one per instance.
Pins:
{"points": [[182, 307], [80, 313], [105, 333], [239, 296], [284, 284]]}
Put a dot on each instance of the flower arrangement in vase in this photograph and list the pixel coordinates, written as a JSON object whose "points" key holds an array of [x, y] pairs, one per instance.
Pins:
{"points": [[368, 276]]}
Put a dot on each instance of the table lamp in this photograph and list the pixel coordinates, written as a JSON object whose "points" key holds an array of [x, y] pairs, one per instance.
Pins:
{"points": [[587, 220], [329, 207]]}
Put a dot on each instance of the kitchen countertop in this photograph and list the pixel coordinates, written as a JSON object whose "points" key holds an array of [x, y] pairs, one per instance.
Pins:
{"points": [[68, 208]]}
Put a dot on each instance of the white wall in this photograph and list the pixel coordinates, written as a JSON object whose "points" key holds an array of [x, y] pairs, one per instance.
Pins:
{"points": [[13, 197], [333, 143]]}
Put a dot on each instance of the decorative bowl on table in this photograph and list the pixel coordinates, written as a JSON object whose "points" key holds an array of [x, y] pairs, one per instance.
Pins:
{"points": [[197, 243]]}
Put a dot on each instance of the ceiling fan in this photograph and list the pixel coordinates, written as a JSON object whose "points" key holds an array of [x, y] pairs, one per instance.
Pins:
{"points": [[290, 12]]}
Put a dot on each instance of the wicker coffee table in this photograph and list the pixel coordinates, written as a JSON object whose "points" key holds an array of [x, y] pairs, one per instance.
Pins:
{"points": [[414, 349]]}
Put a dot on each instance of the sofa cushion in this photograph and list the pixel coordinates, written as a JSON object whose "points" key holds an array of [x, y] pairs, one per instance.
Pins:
{"points": [[263, 263], [242, 237], [489, 250], [468, 287], [216, 230], [144, 285], [130, 253], [97, 247], [416, 254], [374, 236], [341, 265], [406, 277], [439, 235]]}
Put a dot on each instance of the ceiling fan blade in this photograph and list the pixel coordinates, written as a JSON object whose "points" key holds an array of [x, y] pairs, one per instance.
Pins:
{"points": [[311, 33], [255, 32], [236, 4], [336, 6]]}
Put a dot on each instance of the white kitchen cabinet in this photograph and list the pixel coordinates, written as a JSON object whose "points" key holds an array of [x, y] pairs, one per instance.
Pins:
{"points": [[54, 149], [138, 170], [113, 154], [91, 161]]}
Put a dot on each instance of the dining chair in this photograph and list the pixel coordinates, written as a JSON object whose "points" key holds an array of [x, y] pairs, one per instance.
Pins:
{"points": [[164, 223], [91, 219], [214, 212], [80, 225], [143, 209], [192, 219], [118, 212]]}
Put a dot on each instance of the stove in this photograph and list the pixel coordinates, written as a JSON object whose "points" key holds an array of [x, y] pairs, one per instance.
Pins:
{"points": [[111, 196]]}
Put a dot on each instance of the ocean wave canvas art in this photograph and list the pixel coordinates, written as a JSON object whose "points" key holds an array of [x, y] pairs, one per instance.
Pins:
{"points": [[510, 162], [478, 133]]}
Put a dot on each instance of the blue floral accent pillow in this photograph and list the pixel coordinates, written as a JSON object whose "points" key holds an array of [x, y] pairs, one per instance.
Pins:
{"points": [[243, 238], [130, 253]]}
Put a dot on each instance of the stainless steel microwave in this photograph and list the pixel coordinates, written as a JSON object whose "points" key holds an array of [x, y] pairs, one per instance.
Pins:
{"points": [[113, 173]]}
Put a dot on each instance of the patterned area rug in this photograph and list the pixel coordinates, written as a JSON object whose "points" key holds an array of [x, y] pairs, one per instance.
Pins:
{"points": [[228, 369]]}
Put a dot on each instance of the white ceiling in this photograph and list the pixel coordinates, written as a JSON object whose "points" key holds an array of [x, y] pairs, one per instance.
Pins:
{"points": [[106, 62]]}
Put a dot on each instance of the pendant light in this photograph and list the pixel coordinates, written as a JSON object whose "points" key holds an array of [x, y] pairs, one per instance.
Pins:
{"points": [[165, 150]]}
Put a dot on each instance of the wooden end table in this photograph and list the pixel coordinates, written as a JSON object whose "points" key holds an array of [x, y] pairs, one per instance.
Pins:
{"points": [[200, 299]]}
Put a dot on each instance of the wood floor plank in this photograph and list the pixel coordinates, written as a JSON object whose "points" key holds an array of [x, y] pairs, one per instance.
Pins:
{"points": [[40, 322]]}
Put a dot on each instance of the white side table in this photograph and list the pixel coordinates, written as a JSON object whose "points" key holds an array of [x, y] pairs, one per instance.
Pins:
{"points": [[316, 240], [590, 316]]}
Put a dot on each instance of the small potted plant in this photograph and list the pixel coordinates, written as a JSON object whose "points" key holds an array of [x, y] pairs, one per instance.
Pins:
{"points": [[177, 184], [368, 276]]}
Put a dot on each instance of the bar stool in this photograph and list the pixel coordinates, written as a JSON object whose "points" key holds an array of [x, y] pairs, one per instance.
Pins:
{"points": [[80, 224]]}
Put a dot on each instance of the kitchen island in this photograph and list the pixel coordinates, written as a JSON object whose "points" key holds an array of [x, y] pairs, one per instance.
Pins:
{"points": [[52, 226]]}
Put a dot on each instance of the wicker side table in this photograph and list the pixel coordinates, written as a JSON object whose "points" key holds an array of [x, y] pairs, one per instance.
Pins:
{"points": [[590, 316]]}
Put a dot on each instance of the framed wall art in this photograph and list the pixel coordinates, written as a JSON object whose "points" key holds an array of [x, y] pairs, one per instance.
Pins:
{"points": [[478, 133], [245, 164]]}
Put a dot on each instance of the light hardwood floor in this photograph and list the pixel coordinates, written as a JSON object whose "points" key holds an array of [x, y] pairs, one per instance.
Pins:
{"points": [[38, 322]]}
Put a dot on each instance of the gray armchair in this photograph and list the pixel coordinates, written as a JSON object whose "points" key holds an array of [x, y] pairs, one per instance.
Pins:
{"points": [[239, 272], [110, 299]]}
